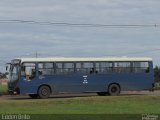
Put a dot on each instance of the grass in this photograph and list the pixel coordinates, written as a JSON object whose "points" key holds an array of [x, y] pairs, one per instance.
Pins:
{"points": [[3, 89], [84, 108], [84, 105]]}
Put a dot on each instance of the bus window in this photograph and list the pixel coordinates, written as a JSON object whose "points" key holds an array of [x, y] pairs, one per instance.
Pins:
{"points": [[85, 67], [122, 67], [28, 70], [68, 68], [106, 67], [103, 67], [140, 67], [59, 67], [64, 68], [46, 68], [79, 67]]}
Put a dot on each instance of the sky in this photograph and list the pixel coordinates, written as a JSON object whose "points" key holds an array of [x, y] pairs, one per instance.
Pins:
{"points": [[25, 39]]}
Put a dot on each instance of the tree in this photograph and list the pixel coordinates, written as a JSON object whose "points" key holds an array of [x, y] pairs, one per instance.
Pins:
{"points": [[2, 75], [157, 74]]}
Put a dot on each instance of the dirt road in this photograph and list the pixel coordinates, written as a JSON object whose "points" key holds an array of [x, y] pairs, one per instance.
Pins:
{"points": [[123, 93]]}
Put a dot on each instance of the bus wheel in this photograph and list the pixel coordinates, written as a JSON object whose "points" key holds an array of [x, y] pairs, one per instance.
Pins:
{"points": [[102, 93], [44, 92], [114, 89], [34, 96]]}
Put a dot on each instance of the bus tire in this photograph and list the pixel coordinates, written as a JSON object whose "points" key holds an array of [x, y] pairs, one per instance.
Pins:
{"points": [[114, 89], [44, 92], [34, 96], [102, 93]]}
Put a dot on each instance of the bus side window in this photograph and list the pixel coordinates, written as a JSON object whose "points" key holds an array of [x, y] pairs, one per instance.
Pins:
{"points": [[122, 67], [88, 67], [28, 70], [84, 67], [103, 67], [46, 68], [141, 67], [79, 67]]}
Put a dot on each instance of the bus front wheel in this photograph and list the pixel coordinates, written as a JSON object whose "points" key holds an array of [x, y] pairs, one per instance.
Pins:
{"points": [[114, 89], [44, 92]]}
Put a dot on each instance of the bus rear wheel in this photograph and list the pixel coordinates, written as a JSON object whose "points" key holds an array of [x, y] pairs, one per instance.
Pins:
{"points": [[44, 92], [114, 89]]}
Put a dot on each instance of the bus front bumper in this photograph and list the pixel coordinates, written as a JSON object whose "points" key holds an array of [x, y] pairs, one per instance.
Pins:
{"points": [[14, 92]]}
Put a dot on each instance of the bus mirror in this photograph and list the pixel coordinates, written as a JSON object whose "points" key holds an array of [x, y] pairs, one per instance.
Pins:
{"points": [[6, 68]]}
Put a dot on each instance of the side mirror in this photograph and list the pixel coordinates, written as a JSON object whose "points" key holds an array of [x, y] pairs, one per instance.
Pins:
{"points": [[6, 68]]}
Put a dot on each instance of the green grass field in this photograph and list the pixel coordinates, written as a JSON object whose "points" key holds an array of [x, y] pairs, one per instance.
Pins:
{"points": [[129, 105], [3, 89], [84, 105], [77, 107]]}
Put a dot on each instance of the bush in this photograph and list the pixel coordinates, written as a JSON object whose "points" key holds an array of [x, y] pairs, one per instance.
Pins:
{"points": [[157, 86]]}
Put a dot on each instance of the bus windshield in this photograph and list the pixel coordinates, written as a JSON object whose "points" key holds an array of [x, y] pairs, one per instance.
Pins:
{"points": [[13, 74], [14, 70]]}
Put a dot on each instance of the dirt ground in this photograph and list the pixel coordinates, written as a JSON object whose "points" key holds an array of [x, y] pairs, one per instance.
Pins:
{"points": [[66, 95]]}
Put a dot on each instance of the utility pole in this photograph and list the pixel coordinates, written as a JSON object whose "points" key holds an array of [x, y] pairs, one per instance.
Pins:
{"points": [[36, 54]]}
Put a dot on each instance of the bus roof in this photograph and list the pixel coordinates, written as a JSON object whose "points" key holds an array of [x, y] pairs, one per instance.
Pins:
{"points": [[72, 59]]}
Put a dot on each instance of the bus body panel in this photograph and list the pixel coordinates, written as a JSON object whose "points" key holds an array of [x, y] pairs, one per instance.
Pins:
{"points": [[95, 83]]}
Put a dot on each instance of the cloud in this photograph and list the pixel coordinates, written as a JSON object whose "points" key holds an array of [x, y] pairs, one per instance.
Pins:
{"points": [[112, 11], [21, 39]]}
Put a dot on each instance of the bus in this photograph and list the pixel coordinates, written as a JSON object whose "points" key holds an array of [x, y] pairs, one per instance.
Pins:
{"points": [[41, 77]]}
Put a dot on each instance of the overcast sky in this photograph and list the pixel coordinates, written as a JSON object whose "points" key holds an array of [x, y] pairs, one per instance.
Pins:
{"points": [[23, 39]]}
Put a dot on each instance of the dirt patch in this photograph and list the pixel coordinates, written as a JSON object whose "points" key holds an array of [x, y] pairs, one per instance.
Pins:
{"points": [[123, 93]]}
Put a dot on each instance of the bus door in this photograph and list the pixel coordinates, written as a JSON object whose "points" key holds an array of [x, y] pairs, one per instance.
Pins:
{"points": [[28, 78], [91, 80], [98, 73], [86, 73]]}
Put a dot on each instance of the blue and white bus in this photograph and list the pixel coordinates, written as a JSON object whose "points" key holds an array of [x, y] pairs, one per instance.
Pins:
{"points": [[40, 77]]}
